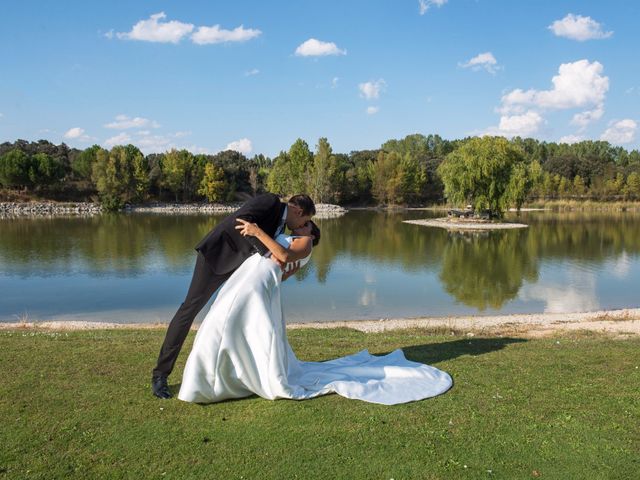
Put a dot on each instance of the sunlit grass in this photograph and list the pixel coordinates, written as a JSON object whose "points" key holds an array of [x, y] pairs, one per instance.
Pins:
{"points": [[78, 405]]}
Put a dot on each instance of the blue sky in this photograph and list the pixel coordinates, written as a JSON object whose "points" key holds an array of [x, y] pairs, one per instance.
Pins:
{"points": [[161, 75]]}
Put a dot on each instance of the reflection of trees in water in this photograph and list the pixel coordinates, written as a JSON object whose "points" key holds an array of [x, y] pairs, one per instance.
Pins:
{"points": [[109, 242], [380, 237], [129, 243], [487, 269], [593, 237]]}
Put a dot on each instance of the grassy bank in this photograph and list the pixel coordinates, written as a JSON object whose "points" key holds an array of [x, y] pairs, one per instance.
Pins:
{"points": [[585, 205], [77, 405]]}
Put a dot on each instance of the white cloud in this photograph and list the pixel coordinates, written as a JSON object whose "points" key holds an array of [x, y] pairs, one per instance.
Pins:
{"points": [[621, 131], [215, 34], [120, 139], [77, 133], [484, 60], [569, 139], [199, 149], [585, 118], [562, 299], [424, 5], [110, 34], [243, 146], [371, 90], [577, 84], [154, 143], [621, 266], [368, 297], [153, 30], [577, 27], [123, 122], [252, 72], [182, 134], [372, 110], [334, 82], [318, 48], [576, 292], [522, 125]]}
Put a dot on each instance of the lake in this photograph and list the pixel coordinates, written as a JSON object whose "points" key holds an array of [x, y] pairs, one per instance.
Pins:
{"points": [[133, 268]]}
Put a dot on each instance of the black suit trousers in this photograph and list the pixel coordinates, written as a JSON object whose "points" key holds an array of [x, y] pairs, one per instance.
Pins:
{"points": [[203, 285]]}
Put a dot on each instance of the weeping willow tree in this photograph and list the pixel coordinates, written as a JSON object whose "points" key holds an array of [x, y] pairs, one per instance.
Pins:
{"points": [[489, 173]]}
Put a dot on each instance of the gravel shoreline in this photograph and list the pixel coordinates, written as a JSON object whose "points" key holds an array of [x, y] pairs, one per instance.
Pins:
{"points": [[622, 323]]}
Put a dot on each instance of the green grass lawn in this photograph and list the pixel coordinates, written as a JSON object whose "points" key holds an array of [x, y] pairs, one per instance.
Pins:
{"points": [[78, 405]]}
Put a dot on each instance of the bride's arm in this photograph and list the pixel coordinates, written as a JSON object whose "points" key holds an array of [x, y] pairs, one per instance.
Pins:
{"points": [[299, 248]]}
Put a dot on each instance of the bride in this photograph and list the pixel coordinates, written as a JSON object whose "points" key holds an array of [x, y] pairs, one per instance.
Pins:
{"points": [[241, 347]]}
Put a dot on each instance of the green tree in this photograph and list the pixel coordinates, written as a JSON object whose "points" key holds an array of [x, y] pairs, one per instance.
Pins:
{"points": [[278, 180], [141, 177], [177, 172], [300, 165], [82, 165], [291, 170], [522, 181], [413, 179], [564, 187], [45, 170], [386, 178], [479, 173], [632, 188], [322, 178], [614, 186], [115, 175], [212, 185], [14, 169], [579, 187]]}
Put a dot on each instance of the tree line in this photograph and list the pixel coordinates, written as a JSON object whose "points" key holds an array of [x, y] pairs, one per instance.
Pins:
{"points": [[489, 172]]}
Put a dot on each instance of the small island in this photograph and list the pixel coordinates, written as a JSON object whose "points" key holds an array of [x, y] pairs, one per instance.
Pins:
{"points": [[488, 175], [452, 223]]}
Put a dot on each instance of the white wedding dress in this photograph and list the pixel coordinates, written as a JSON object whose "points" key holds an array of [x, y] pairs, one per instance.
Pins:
{"points": [[241, 349]]}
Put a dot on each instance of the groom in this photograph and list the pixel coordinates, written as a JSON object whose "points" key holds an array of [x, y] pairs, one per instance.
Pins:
{"points": [[220, 253]]}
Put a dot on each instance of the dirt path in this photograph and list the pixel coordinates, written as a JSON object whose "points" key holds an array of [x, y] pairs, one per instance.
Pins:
{"points": [[621, 323]]}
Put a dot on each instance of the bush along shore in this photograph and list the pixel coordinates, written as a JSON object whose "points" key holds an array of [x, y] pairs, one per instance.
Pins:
{"points": [[48, 209]]}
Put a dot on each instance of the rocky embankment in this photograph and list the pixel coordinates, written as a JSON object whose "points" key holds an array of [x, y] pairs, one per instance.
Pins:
{"points": [[49, 209]]}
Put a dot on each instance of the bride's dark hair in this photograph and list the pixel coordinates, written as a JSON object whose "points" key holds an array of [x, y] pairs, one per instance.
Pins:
{"points": [[315, 231]]}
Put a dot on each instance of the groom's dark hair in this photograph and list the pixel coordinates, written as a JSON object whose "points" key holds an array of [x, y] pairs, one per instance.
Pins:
{"points": [[305, 203]]}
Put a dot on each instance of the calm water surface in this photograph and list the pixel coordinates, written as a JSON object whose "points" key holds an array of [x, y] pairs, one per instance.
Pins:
{"points": [[369, 265]]}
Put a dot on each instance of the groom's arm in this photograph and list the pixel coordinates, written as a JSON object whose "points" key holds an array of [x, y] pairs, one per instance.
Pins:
{"points": [[259, 210]]}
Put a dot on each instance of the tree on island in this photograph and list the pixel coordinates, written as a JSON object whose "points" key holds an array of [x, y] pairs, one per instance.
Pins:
{"points": [[489, 173]]}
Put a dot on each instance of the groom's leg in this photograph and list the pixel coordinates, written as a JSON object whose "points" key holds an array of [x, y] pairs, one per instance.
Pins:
{"points": [[203, 284]]}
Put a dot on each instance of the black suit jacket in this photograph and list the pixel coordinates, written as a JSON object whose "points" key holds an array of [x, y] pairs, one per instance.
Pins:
{"points": [[224, 249]]}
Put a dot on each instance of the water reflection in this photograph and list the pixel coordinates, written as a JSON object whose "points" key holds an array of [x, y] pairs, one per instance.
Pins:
{"points": [[369, 264], [487, 269]]}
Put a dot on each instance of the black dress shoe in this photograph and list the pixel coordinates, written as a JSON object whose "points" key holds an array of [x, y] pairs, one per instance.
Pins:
{"points": [[160, 388]]}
